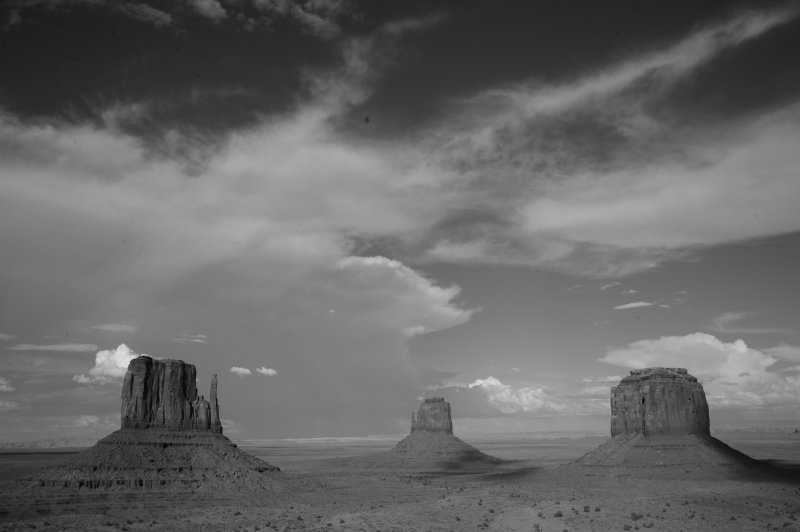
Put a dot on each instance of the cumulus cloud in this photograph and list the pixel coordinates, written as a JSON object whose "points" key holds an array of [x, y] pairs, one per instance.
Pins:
{"points": [[266, 371], [510, 400], [109, 366], [241, 372], [732, 374], [636, 304], [73, 348], [5, 385], [116, 328]]}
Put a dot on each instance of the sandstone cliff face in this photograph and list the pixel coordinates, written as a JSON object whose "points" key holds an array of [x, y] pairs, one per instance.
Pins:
{"points": [[170, 438], [655, 401], [433, 416], [163, 394]]}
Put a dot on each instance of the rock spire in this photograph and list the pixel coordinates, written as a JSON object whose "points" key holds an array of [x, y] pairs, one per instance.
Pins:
{"points": [[170, 437], [163, 394]]}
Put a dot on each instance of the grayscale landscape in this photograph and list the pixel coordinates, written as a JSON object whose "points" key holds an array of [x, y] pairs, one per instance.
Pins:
{"points": [[411, 265]]}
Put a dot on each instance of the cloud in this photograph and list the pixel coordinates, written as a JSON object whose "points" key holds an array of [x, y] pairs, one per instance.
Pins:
{"points": [[606, 286], [659, 190], [629, 292], [109, 366], [74, 348], [636, 304], [241, 372], [87, 421], [191, 338], [509, 400], [210, 9], [320, 18], [116, 328], [146, 13], [6, 406], [266, 371], [790, 353], [732, 374], [726, 323], [6, 337], [605, 380], [5, 385]]}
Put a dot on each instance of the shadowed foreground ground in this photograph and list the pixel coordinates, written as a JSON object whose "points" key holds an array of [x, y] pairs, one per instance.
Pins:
{"points": [[322, 487]]}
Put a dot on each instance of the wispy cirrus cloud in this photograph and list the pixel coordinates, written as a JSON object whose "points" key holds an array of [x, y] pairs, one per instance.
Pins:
{"points": [[116, 328], [572, 210], [729, 323], [73, 348], [5, 385], [635, 304]]}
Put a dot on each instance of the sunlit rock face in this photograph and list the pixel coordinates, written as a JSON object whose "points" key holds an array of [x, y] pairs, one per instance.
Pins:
{"points": [[432, 438], [660, 429], [659, 401], [433, 416], [170, 438], [163, 394]]}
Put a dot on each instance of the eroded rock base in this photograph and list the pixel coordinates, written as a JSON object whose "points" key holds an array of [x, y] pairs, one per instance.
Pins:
{"points": [[152, 458], [668, 455]]}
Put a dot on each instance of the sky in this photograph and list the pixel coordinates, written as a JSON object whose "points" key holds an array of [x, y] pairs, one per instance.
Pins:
{"points": [[341, 207]]}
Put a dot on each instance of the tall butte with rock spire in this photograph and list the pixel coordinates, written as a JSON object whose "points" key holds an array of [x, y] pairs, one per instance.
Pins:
{"points": [[660, 422], [432, 438], [169, 437]]}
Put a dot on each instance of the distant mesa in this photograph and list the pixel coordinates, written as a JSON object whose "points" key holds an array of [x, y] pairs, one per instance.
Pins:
{"points": [[170, 437], [659, 401], [432, 438], [660, 421]]}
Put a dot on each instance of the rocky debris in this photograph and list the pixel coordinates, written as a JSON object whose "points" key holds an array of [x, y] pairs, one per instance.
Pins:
{"points": [[433, 416], [659, 401], [660, 422], [170, 438]]}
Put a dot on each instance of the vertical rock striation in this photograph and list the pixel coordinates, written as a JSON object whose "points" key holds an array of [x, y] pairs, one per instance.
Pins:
{"points": [[660, 427], [163, 394], [170, 436], [432, 439], [433, 416], [659, 401]]}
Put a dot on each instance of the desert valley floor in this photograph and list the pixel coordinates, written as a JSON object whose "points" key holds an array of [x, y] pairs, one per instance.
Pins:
{"points": [[329, 485]]}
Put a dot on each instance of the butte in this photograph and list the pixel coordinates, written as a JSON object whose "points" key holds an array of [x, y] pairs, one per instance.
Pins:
{"points": [[432, 439], [660, 427], [170, 437]]}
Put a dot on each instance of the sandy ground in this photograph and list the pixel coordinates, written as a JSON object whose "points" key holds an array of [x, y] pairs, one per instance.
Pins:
{"points": [[320, 488]]}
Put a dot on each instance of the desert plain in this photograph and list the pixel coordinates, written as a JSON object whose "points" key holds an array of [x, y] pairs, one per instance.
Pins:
{"points": [[342, 484]]}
